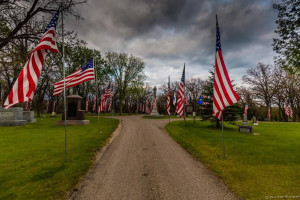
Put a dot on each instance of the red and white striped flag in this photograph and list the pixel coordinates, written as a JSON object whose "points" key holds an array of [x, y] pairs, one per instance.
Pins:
{"points": [[104, 97], [86, 104], [25, 85], [181, 99], [111, 98], [101, 104], [291, 112], [224, 95], [84, 73], [168, 98], [110, 102], [246, 109], [269, 112], [147, 109], [94, 106], [287, 113]]}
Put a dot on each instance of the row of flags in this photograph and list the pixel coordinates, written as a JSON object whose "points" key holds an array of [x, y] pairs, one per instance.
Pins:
{"points": [[287, 107], [147, 108], [223, 93], [25, 86]]}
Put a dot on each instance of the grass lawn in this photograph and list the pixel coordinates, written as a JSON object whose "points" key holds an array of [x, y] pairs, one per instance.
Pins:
{"points": [[109, 114], [32, 157], [256, 166], [165, 117]]}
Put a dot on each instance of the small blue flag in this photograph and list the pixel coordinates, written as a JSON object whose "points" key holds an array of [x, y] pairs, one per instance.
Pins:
{"points": [[200, 100]]}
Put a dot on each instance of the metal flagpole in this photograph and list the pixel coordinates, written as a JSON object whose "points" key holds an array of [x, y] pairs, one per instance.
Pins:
{"points": [[64, 75], [184, 111], [169, 102], [97, 100], [223, 137]]}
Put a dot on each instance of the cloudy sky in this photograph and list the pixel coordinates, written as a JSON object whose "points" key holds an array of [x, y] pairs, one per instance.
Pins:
{"points": [[168, 33]]}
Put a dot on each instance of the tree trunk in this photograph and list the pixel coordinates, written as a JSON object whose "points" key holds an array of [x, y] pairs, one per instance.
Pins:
{"points": [[121, 107]]}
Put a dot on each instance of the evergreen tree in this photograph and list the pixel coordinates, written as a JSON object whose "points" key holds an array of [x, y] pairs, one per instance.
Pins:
{"points": [[230, 113], [288, 29]]}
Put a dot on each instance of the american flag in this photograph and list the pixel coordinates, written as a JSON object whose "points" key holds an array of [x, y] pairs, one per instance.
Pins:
{"points": [[180, 102], [291, 111], [224, 95], [25, 85], [84, 73], [246, 109], [186, 100], [168, 98], [110, 99], [87, 104], [102, 98], [94, 106], [287, 113], [269, 112], [109, 105], [174, 99], [147, 109]]}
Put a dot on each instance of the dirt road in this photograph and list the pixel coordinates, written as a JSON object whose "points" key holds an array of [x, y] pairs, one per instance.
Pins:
{"points": [[143, 162]]}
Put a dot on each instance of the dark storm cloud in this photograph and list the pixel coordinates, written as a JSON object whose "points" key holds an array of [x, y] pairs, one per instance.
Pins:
{"points": [[168, 33]]}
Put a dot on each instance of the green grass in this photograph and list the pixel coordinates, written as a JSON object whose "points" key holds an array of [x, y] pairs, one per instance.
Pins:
{"points": [[109, 114], [256, 166], [163, 117], [32, 157]]}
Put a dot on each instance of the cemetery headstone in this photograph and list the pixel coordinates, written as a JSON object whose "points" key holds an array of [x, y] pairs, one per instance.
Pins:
{"points": [[74, 113], [189, 109], [53, 114], [255, 122], [245, 120], [12, 117], [29, 116]]}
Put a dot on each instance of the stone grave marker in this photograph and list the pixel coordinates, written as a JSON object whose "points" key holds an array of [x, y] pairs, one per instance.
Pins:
{"points": [[12, 117], [74, 113]]}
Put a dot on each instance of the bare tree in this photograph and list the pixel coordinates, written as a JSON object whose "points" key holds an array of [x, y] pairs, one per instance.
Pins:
{"points": [[263, 84], [125, 69], [15, 15]]}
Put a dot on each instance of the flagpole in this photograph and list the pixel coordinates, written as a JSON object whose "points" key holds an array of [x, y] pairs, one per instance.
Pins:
{"points": [[184, 111], [64, 75], [97, 100], [223, 137], [169, 102]]}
